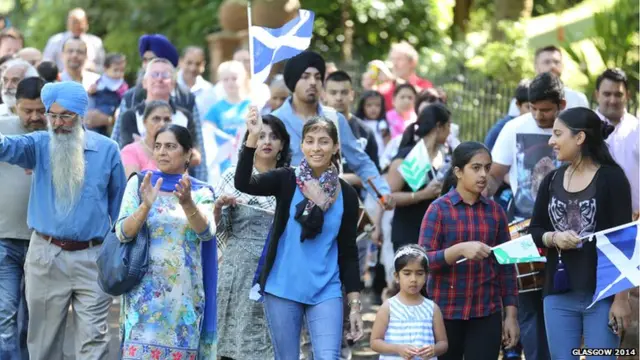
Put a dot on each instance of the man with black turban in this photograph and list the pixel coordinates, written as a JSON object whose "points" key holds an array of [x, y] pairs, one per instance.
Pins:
{"points": [[303, 75]]}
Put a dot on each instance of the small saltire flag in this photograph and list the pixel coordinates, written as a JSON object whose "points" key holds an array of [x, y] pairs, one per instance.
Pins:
{"points": [[415, 167], [618, 260], [520, 250], [274, 45]]}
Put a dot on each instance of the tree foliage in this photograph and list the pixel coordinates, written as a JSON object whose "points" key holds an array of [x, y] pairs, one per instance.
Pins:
{"points": [[121, 22], [616, 41], [376, 23]]}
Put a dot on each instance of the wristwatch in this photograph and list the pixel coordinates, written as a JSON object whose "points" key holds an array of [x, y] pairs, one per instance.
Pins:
{"points": [[355, 302]]}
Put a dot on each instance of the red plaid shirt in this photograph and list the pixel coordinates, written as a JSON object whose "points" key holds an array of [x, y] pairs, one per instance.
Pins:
{"points": [[471, 289]]}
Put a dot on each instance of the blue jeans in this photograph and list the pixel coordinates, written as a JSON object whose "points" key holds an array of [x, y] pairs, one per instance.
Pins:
{"points": [[324, 322], [13, 308], [532, 330], [568, 320]]}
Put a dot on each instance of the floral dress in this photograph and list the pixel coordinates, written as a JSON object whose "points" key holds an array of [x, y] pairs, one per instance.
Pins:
{"points": [[161, 318]]}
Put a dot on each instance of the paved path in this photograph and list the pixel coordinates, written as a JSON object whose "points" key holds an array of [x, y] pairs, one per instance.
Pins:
{"points": [[361, 350]]}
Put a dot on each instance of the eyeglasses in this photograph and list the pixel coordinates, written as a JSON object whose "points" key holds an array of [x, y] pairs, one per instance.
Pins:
{"points": [[160, 75], [63, 117]]}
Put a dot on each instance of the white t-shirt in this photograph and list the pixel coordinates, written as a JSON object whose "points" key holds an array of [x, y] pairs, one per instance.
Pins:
{"points": [[573, 98], [524, 147]]}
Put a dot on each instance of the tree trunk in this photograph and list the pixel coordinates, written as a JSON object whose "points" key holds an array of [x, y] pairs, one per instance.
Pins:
{"points": [[512, 10], [347, 44], [461, 13]]}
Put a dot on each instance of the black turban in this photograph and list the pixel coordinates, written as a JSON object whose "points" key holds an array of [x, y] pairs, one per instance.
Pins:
{"points": [[296, 66]]}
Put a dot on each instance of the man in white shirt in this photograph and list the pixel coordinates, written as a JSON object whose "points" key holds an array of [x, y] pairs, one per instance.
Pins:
{"points": [[522, 151], [549, 58], [612, 95], [77, 26], [74, 53], [192, 64]]}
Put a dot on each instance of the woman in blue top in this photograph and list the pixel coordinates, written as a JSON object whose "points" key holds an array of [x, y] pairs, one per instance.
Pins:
{"points": [[312, 251]]}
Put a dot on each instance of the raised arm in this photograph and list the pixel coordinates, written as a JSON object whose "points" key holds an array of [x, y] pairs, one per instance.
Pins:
{"points": [[265, 184], [358, 160], [20, 150]]}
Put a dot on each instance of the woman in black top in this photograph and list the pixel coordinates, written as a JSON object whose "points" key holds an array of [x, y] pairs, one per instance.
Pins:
{"points": [[432, 128], [311, 253], [590, 194]]}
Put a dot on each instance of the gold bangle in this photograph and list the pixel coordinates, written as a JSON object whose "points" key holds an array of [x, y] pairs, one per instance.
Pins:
{"points": [[413, 196], [190, 216]]}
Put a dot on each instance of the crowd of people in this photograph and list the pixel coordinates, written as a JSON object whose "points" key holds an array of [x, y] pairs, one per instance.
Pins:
{"points": [[279, 178]]}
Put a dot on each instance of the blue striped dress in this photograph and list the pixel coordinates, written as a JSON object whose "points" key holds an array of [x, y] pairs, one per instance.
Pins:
{"points": [[409, 325]]}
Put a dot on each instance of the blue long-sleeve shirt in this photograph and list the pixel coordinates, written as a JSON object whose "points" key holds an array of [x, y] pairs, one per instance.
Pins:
{"points": [[357, 159], [99, 202]]}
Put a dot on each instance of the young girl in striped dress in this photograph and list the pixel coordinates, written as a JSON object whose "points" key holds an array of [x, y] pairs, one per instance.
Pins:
{"points": [[408, 325]]}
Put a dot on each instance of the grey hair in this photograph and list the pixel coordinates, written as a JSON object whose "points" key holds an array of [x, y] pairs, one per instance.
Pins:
{"points": [[30, 70], [160, 61]]}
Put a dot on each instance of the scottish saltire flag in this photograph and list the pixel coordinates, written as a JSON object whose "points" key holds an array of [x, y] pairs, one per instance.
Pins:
{"points": [[274, 45], [618, 260]]}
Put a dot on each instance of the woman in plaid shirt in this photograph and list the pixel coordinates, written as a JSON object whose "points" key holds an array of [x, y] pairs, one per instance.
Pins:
{"points": [[472, 294]]}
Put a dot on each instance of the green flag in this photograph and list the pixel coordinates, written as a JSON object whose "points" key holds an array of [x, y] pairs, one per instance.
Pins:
{"points": [[415, 166], [520, 250]]}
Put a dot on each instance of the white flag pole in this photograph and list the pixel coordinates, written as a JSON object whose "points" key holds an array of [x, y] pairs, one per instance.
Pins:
{"points": [[251, 57], [606, 231], [251, 60]]}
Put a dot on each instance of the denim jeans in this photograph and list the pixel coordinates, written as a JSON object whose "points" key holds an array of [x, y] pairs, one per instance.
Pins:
{"points": [[532, 330], [568, 321], [13, 307], [324, 322]]}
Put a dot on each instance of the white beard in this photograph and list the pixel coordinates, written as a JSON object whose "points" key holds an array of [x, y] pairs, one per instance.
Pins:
{"points": [[67, 167], [9, 99]]}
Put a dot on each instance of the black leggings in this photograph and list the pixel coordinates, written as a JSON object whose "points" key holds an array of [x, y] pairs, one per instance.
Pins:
{"points": [[474, 339]]}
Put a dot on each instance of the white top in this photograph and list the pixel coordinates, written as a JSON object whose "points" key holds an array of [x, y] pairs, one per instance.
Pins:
{"points": [[524, 147], [15, 187], [199, 90], [573, 98], [623, 144], [95, 50], [409, 325]]}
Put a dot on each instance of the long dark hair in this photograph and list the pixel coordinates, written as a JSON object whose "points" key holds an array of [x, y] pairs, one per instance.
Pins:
{"points": [[460, 158], [280, 131], [430, 117], [322, 123], [585, 120], [363, 100]]}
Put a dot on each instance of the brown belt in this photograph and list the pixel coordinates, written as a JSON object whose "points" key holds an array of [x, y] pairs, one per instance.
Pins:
{"points": [[70, 245]]}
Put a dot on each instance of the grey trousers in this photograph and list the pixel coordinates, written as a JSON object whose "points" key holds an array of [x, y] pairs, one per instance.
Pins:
{"points": [[55, 279]]}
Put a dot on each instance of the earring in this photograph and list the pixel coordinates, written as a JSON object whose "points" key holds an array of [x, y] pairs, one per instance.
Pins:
{"points": [[278, 157], [186, 164]]}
